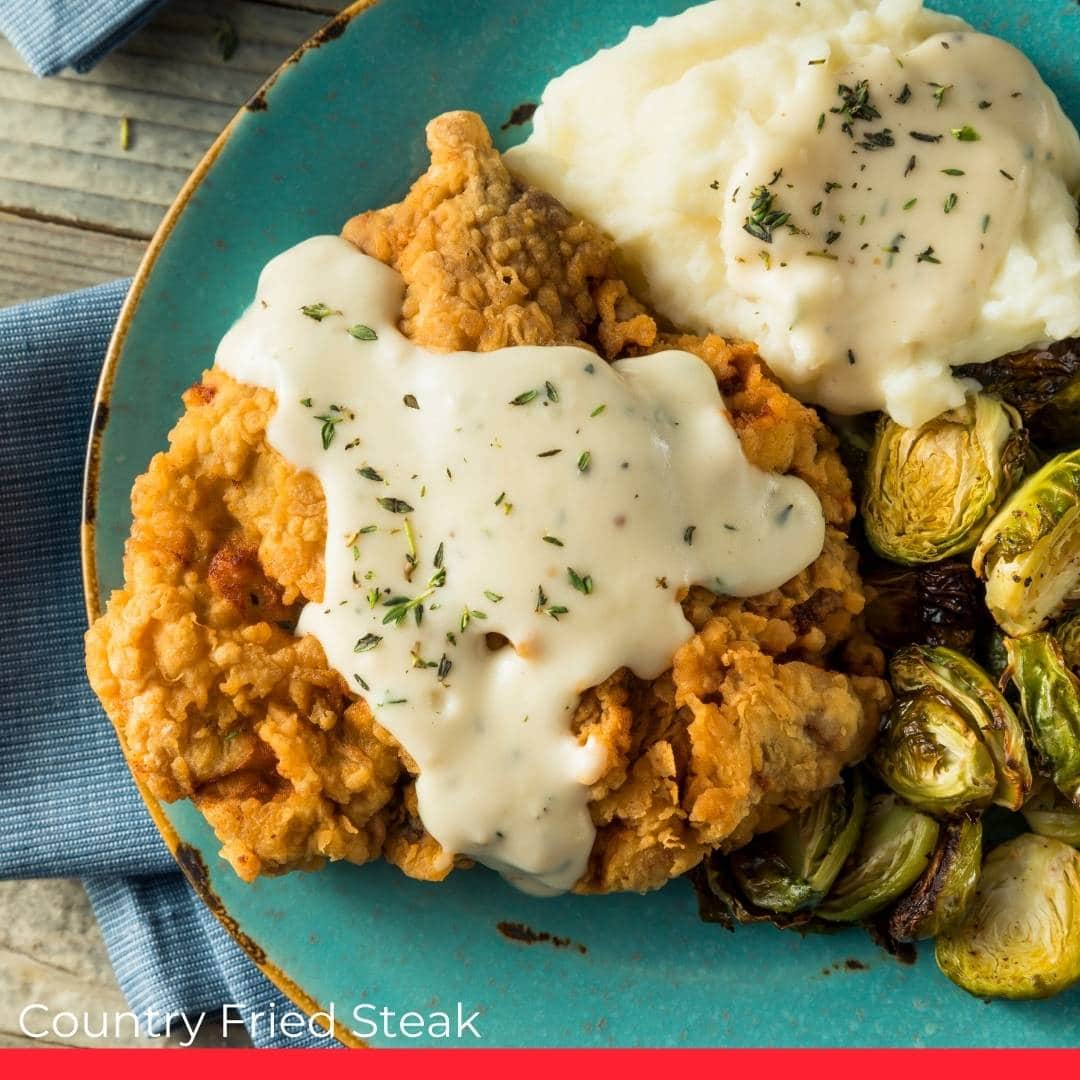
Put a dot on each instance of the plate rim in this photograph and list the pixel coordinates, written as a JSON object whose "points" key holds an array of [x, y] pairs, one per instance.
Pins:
{"points": [[91, 588]]}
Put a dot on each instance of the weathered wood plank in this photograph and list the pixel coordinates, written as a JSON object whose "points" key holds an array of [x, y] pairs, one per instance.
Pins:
{"points": [[38, 258], [60, 144]]}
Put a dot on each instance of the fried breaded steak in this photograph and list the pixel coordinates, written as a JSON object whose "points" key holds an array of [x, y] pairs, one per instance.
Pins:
{"points": [[216, 700]]}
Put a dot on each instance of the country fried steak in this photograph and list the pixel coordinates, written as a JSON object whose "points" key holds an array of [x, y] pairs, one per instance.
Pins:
{"points": [[215, 699]]}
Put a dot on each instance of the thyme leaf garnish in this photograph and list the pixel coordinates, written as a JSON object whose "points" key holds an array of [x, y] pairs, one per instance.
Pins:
{"points": [[583, 584], [329, 428], [367, 643], [524, 397], [368, 473], [584, 461], [362, 333], [927, 255], [855, 105], [395, 506], [965, 134], [688, 534], [763, 220], [318, 311]]}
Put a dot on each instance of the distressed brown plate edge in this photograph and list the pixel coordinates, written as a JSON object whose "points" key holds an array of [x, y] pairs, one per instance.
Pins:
{"points": [[91, 473]]}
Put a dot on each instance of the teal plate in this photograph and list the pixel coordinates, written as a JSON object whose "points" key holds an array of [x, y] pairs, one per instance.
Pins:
{"points": [[338, 130]]}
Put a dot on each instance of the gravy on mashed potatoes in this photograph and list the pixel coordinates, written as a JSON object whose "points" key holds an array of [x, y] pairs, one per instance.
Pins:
{"points": [[871, 191]]}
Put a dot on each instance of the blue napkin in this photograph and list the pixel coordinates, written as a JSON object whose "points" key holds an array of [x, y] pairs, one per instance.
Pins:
{"points": [[55, 34], [68, 806]]}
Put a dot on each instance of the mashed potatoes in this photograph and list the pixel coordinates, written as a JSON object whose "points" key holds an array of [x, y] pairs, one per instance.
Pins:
{"points": [[866, 240]]}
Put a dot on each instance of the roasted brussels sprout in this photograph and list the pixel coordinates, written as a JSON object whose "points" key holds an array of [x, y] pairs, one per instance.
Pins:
{"points": [[940, 604], [1050, 703], [971, 694], [1042, 384], [1020, 937], [1029, 555], [932, 758], [719, 899], [892, 854], [1067, 633], [995, 658], [793, 867], [941, 896], [1049, 813], [931, 490]]}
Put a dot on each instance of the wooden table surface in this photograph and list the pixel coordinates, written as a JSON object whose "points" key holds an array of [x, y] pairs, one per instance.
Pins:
{"points": [[78, 203]]}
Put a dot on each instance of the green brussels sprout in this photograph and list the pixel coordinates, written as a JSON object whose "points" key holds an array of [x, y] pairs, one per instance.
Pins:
{"points": [[1042, 384], [941, 896], [793, 867], [719, 899], [972, 694], [1067, 633], [1050, 704], [1029, 555], [893, 852], [941, 604], [930, 491], [1020, 937], [932, 758], [1049, 813]]}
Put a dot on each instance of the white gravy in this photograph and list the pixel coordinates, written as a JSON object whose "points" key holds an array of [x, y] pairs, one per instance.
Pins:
{"points": [[898, 222], [539, 494]]}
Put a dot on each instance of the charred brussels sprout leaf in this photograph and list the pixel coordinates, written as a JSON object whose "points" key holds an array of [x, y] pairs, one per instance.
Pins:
{"points": [[994, 654], [719, 900], [1050, 704], [941, 896], [793, 867], [1020, 937], [973, 696], [892, 854], [930, 491], [1049, 813], [940, 604], [932, 758], [1029, 555], [1042, 384]]}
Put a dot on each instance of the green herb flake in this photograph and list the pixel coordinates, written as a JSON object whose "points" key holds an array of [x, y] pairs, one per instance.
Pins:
{"points": [[940, 91], [985, 223], [368, 473], [552, 393], [928, 256], [965, 134], [954, 172], [494, 597], [550, 453], [553, 540], [445, 664], [597, 411], [306, 402], [318, 311], [910, 203], [763, 219], [329, 428], [438, 560], [950, 202], [410, 402], [362, 332], [583, 584], [361, 681], [395, 506], [584, 461], [688, 534], [367, 643], [525, 397]]}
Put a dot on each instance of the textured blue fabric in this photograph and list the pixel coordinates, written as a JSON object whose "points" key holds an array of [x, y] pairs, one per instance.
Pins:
{"points": [[68, 806], [54, 34]]}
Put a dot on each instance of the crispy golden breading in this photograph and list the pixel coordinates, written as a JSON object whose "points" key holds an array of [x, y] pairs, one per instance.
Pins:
{"points": [[216, 700]]}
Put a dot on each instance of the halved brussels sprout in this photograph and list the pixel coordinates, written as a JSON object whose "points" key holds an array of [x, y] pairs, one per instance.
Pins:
{"points": [[1020, 937], [1049, 813], [1029, 555], [1042, 384], [972, 694], [1050, 703], [719, 900], [1067, 633], [891, 855], [931, 490], [942, 894], [793, 867], [932, 758], [940, 604]]}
